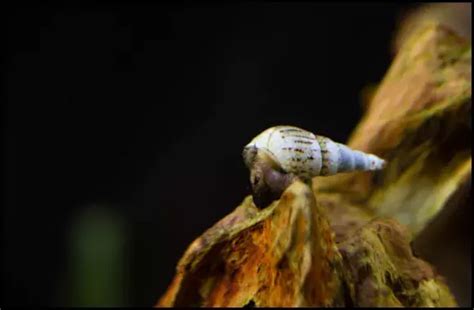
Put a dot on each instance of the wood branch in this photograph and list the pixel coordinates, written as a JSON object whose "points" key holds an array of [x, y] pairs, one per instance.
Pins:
{"points": [[346, 241], [456, 16], [419, 120], [262, 258]]}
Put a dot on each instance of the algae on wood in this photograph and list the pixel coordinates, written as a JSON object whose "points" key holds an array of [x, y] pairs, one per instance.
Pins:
{"points": [[262, 258], [457, 16], [347, 240], [419, 120]]}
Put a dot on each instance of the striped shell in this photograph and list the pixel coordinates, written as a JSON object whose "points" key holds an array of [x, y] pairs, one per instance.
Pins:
{"points": [[308, 155]]}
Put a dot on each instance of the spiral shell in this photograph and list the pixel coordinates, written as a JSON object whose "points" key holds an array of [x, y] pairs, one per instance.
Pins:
{"points": [[307, 155]]}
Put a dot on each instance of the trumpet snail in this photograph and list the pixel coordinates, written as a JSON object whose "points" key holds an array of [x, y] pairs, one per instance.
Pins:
{"points": [[279, 154]]}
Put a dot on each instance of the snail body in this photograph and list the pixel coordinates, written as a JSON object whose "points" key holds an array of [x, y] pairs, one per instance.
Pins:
{"points": [[306, 155]]}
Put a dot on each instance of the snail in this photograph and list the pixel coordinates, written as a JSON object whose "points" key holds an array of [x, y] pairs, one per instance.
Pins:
{"points": [[279, 154]]}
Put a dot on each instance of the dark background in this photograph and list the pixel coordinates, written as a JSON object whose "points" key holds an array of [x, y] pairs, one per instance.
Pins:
{"points": [[124, 127]]}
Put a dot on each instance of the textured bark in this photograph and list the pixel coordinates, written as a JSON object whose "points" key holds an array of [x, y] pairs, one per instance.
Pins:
{"points": [[419, 120], [284, 255], [346, 241]]}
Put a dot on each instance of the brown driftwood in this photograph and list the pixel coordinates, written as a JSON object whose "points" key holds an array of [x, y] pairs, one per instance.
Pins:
{"points": [[455, 15], [347, 240]]}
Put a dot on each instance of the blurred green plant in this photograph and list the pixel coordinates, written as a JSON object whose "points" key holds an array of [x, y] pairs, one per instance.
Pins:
{"points": [[97, 264]]}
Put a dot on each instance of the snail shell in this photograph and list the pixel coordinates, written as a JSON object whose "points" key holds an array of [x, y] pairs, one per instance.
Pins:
{"points": [[295, 150]]}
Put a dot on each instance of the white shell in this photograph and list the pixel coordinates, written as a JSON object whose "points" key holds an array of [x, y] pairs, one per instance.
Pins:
{"points": [[307, 155]]}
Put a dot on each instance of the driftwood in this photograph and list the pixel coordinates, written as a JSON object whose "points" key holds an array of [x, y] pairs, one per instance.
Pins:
{"points": [[346, 241]]}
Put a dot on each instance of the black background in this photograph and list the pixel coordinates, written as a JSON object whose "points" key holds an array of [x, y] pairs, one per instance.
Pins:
{"points": [[144, 110]]}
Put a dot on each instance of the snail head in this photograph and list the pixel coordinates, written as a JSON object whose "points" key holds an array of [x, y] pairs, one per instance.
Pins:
{"points": [[267, 178], [268, 184]]}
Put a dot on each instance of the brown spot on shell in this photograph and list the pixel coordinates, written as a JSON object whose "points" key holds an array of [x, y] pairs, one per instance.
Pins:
{"points": [[303, 142]]}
